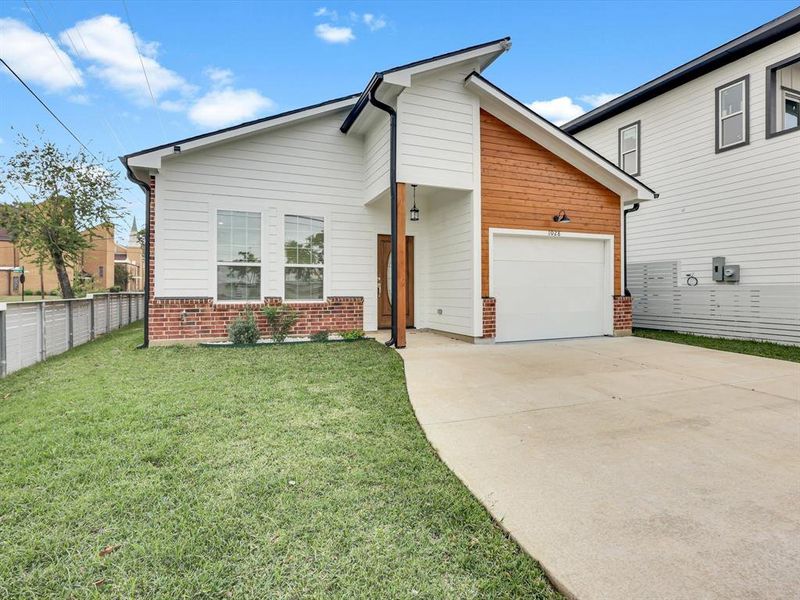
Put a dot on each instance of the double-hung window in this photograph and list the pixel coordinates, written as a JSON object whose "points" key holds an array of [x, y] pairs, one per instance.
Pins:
{"points": [[783, 96], [733, 119], [238, 255], [304, 251], [629, 148]]}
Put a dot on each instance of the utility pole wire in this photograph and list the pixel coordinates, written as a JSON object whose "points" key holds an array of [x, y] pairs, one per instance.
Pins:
{"points": [[47, 108], [141, 62]]}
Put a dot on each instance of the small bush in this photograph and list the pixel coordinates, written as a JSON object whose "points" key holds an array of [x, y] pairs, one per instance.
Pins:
{"points": [[320, 336], [115, 289], [280, 319], [352, 334], [244, 329]]}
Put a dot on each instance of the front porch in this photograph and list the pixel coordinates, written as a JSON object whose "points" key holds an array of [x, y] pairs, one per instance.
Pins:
{"points": [[438, 266]]}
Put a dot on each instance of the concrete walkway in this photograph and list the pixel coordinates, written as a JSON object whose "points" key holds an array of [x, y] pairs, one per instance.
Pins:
{"points": [[629, 468]]}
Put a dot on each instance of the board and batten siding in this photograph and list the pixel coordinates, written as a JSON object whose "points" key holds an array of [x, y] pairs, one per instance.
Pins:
{"points": [[523, 185], [743, 204], [437, 130], [309, 168]]}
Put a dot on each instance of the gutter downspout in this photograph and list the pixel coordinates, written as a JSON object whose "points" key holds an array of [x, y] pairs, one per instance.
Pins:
{"points": [[146, 189], [633, 208], [393, 194]]}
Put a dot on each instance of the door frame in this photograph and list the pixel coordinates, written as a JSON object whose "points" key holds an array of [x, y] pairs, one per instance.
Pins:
{"points": [[410, 295], [608, 279]]}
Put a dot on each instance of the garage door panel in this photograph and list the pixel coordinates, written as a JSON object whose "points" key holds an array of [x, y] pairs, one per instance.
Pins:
{"points": [[549, 287]]}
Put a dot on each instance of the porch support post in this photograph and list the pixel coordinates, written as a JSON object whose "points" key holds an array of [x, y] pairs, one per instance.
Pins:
{"points": [[402, 284]]}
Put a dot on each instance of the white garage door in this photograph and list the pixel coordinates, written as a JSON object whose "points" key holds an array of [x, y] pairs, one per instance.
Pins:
{"points": [[550, 287]]}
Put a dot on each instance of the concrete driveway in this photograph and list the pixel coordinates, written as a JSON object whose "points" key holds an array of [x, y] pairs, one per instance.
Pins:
{"points": [[629, 468]]}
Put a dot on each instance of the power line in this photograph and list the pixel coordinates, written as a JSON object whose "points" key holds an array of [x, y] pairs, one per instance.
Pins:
{"points": [[47, 108], [75, 51], [141, 62]]}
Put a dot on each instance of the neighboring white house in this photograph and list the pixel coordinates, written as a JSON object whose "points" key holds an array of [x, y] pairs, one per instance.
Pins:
{"points": [[296, 208], [719, 138]]}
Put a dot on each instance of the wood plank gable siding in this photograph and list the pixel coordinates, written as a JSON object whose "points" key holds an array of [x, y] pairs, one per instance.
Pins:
{"points": [[523, 185]]}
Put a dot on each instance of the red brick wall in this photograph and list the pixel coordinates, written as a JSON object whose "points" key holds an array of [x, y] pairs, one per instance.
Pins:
{"points": [[623, 315], [202, 319], [489, 328]]}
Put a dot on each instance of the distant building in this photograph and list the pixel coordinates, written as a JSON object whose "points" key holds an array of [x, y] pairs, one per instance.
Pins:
{"points": [[97, 269]]}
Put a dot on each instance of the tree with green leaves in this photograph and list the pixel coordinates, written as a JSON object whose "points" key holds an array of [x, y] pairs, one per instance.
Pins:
{"points": [[58, 199]]}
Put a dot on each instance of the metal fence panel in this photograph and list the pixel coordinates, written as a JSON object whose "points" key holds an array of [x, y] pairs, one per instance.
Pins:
{"points": [[56, 328], [81, 322], [32, 331], [22, 336]]}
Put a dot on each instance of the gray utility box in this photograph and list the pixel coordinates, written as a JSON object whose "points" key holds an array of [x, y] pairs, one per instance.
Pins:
{"points": [[717, 268], [731, 272]]}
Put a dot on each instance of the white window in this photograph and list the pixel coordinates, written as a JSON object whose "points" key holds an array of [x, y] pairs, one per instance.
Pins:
{"points": [[304, 251], [791, 110], [783, 96], [238, 255], [629, 148], [732, 117]]}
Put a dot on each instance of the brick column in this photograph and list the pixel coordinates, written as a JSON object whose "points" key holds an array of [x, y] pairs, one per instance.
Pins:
{"points": [[623, 315], [489, 328]]}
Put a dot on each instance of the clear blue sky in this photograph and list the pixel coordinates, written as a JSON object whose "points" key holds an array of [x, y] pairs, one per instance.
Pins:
{"points": [[211, 64]]}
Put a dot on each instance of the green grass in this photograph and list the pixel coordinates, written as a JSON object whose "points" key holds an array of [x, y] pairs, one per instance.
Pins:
{"points": [[766, 349], [280, 472]]}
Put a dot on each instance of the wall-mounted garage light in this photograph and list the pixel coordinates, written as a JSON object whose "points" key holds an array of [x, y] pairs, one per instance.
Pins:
{"points": [[414, 210], [561, 217]]}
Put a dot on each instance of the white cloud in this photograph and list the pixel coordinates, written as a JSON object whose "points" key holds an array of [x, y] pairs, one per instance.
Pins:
{"points": [[111, 47], [28, 52], [84, 99], [558, 110], [173, 105], [219, 76], [595, 100], [325, 12], [374, 23], [224, 106], [334, 35]]}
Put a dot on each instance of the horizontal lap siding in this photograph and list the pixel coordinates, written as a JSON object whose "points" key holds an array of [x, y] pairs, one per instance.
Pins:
{"points": [[743, 204], [436, 131], [523, 185]]}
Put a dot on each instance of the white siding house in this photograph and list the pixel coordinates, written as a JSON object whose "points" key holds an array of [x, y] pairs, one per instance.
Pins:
{"points": [[295, 208], [740, 201]]}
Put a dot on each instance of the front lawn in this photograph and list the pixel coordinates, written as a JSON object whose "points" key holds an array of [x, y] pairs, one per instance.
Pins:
{"points": [[765, 349], [277, 472]]}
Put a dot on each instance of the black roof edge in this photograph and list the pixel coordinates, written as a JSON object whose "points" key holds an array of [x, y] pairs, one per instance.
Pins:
{"points": [[753, 40], [287, 113], [562, 132], [377, 78]]}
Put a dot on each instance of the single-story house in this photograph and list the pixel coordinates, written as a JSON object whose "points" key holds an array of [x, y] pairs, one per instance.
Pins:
{"points": [[432, 199]]}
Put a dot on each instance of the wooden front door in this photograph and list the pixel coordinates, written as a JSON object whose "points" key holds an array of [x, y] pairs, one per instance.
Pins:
{"points": [[385, 284]]}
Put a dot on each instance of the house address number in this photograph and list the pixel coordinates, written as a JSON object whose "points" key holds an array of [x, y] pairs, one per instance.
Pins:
{"points": [[554, 233]]}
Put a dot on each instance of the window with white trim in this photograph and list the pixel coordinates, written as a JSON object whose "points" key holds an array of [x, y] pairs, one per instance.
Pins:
{"points": [[783, 96], [732, 114], [304, 252], [629, 148], [238, 255]]}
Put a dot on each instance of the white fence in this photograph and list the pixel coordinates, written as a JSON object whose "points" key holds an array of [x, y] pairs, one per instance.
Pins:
{"points": [[33, 331], [770, 312]]}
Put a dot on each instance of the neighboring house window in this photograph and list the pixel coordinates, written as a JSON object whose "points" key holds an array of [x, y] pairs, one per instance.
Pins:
{"points": [[304, 249], [101, 271], [629, 148], [733, 119], [238, 255], [783, 96]]}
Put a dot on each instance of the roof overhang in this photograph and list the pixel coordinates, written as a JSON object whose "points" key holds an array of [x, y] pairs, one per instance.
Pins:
{"points": [[151, 158], [400, 77], [514, 113], [743, 45]]}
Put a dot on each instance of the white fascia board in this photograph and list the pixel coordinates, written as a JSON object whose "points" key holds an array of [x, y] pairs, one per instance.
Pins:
{"points": [[152, 160], [563, 145]]}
